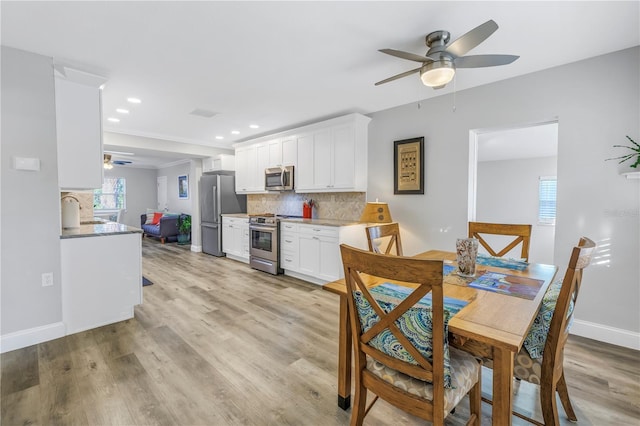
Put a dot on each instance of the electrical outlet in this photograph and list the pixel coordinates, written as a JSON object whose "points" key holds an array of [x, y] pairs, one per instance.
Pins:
{"points": [[47, 279]]}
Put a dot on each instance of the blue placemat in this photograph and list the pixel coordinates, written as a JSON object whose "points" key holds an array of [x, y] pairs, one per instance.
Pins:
{"points": [[501, 262], [447, 269], [511, 285], [399, 292]]}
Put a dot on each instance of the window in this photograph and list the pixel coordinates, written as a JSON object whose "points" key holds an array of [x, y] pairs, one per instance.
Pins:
{"points": [[112, 195], [547, 186]]}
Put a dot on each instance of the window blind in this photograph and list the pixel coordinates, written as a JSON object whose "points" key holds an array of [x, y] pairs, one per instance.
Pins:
{"points": [[547, 188]]}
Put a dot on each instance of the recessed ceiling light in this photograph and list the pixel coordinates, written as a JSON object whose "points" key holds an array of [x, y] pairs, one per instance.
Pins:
{"points": [[254, 126], [235, 132], [122, 111], [113, 119], [219, 137], [134, 100]]}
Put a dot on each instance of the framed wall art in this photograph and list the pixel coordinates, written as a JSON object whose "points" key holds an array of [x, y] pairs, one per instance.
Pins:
{"points": [[183, 186], [408, 166]]}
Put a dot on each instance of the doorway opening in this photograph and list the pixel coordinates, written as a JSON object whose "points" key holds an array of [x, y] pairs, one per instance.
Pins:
{"points": [[512, 179]]}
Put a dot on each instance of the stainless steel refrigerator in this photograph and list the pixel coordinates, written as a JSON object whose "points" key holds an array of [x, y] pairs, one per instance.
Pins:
{"points": [[217, 196]]}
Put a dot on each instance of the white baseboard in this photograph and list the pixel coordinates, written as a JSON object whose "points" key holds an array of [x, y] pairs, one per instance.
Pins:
{"points": [[237, 258], [33, 336], [197, 249], [305, 277], [604, 333]]}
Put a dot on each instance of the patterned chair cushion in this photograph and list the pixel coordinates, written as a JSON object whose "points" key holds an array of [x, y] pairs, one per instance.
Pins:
{"points": [[527, 368], [524, 367], [535, 340], [415, 323], [466, 369]]}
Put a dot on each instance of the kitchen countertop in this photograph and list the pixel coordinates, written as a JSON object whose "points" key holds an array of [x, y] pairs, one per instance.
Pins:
{"points": [[240, 215], [325, 222], [98, 229]]}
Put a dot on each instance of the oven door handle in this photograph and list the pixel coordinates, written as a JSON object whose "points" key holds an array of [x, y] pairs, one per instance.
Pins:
{"points": [[262, 228]]}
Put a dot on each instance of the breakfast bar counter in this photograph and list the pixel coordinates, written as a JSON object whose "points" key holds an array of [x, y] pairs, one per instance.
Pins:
{"points": [[101, 277], [321, 222], [98, 229]]}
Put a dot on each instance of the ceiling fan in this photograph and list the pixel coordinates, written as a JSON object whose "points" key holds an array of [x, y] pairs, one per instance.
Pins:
{"points": [[108, 163], [443, 58]]}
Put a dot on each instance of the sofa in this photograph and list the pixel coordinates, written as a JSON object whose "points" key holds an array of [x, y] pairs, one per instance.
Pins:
{"points": [[166, 229]]}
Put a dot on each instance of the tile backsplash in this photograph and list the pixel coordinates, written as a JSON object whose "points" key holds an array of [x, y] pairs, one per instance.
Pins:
{"points": [[336, 205], [86, 204]]}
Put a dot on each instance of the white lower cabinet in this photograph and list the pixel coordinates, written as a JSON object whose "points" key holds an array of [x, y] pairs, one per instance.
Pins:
{"points": [[235, 238], [101, 280], [312, 252], [289, 246]]}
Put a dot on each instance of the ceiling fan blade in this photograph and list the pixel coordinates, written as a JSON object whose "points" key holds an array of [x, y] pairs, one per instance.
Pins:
{"points": [[395, 77], [406, 55], [473, 38], [479, 61]]}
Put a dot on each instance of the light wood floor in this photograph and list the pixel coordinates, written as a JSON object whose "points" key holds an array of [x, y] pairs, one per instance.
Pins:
{"points": [[218, 343]]}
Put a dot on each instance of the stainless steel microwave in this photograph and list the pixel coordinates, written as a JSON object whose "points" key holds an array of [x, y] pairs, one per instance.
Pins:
{"points": [[278, 178]]}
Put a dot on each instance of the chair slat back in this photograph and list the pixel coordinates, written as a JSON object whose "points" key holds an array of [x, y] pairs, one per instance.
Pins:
{"points": [[522, 234], [559, 328], [391, 230], [359, 267]]}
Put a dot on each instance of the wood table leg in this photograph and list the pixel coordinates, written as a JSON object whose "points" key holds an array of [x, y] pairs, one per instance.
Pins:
{"points": [[502, 386], [344, 357]]}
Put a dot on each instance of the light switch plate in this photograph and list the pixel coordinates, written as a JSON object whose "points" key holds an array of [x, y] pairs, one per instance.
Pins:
{"points": [[47, 279], [24, 163]]}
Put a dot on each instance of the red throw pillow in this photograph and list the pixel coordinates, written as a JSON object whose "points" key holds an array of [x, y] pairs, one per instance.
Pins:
{"points": [[156, 218]]}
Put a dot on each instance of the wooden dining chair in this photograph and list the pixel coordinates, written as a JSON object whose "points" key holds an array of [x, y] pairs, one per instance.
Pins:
{"points": [[390, 230], [400, 352], [548, 371], [521, 232]]}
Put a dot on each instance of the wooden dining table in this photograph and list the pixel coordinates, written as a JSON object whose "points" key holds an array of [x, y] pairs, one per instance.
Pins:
{"points": [[492, 325]]}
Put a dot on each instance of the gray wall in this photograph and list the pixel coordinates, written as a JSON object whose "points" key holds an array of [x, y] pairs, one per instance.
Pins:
{"points": [[175, 204], [596, 104], [141, 192], [518, 179], [30, 200]]}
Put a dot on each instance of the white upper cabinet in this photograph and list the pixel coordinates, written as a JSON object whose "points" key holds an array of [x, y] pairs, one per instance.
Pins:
{"points": [[242, 175], [275, 153], [79, 131], [219, 162], [250, 169], [330, 156], [304, 175], [333, 159], [289, 151]]}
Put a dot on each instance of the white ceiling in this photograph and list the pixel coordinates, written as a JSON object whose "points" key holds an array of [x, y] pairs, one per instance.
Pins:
{"points": [[283, 64]]}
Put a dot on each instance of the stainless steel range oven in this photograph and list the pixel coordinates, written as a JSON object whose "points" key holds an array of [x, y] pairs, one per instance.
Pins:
{"points": [[264, 249]]}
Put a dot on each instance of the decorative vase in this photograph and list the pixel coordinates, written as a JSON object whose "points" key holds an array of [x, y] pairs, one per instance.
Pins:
{"points": [[466, 251]]}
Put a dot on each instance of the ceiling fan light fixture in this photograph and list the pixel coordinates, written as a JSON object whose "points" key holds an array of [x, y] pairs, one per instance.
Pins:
{"points": [[437, 73], [106, 162]]}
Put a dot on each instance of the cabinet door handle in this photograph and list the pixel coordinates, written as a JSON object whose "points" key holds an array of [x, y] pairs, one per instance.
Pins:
{"points": [[287, 241], [316, 238]]}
